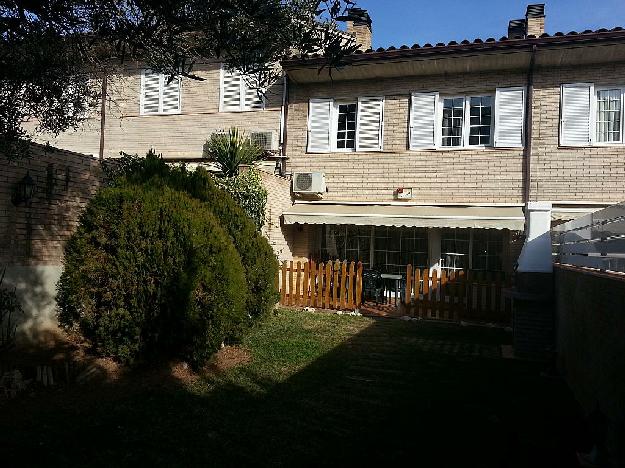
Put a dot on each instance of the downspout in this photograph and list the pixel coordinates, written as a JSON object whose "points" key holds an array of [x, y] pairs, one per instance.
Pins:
{"points": [[103, 116], [284, 113], [527, 153]]}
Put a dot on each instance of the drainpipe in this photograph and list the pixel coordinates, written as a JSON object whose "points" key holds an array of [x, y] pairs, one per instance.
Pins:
{"points": [[103, 116], [527, 153], [284, 113]]}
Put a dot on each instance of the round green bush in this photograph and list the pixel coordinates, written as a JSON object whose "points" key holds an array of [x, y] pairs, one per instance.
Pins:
{"points": [[257, 256], [150, 271]]}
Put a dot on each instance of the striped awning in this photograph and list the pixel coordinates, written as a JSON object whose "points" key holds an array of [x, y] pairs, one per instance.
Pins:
{"points": [[486, 217]]}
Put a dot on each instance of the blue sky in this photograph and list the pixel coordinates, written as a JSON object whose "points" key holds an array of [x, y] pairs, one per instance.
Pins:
{"points": [[397, 22]]}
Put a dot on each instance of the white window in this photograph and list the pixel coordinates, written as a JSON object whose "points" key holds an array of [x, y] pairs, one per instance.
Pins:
{"points": [[609, 122], [345, 125], [467, 121], [160, 94], [591, 115], [238, 94]]}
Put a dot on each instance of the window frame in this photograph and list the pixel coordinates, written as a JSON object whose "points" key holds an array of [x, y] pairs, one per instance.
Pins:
{"points": [[466, 122], [593, 116], [161, 84], [243, 88], [334, 118]]}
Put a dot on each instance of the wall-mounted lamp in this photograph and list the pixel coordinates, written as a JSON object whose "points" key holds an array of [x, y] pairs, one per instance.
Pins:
{"points": [[24, 190]]}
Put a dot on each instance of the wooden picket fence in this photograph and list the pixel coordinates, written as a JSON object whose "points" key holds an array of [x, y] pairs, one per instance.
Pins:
{"points": [[333, 285], [459, 295]]}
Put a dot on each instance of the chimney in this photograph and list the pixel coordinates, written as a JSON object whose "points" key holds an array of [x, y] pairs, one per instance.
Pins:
{"points": [[516, 29], [359, 25], [535, 19]]}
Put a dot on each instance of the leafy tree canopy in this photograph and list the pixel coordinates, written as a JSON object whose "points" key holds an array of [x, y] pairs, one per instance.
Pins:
{"points": [[49, 48]]}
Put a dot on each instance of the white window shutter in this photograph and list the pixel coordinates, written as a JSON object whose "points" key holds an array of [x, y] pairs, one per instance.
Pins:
{"points": [[150, 92], [369, 129], [575, 114], [252, 99], [231, 85], [509, 117], [423, 120], [319, 124], [171, 95]]}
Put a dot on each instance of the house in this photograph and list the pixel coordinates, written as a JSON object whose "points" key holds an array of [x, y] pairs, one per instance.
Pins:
{"points": [[437, 155], [145, 110], [433, 155]]}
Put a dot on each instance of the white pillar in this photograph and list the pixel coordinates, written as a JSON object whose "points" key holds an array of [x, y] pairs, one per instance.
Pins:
{"points": [[536, 253]]}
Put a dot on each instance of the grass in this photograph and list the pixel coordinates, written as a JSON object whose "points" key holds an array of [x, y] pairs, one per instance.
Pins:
{"points": [[319, 389]]}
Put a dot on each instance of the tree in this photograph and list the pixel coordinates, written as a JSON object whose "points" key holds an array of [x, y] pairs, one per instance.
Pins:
{"points": [[49, 49]]}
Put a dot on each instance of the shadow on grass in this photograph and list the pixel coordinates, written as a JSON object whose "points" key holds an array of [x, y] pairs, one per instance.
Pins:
{"points": [[393, 393]]}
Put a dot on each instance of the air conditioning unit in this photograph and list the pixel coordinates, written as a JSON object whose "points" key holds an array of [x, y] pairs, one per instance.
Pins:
{"points": [[263, 140], [309, 182]]}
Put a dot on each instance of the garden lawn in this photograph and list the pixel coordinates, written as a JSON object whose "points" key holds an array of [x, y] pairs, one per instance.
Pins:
{"points": [[318, 389]]}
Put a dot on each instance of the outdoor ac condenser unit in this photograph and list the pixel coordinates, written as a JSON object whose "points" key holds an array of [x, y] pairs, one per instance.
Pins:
{"points": [[309, 182]]}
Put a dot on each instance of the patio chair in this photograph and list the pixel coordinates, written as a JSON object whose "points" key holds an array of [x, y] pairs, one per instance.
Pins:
{"points": [[373, 286]]}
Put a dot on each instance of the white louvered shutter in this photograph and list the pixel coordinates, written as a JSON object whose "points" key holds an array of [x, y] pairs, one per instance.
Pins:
{"points": [[509, 117], [252, 99], [423, 120], [370, 124], [150, 92], [575, 114], [319, 124], [231, 85], [170, 95]]}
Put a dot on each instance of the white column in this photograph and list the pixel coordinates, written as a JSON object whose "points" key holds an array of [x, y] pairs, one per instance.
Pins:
{"points": [[536, 253]]}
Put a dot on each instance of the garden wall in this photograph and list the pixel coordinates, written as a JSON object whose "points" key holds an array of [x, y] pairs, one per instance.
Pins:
{"points": [[33, 232], [590, 316]]}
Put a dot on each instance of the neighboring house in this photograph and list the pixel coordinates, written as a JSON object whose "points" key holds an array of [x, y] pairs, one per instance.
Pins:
{"points": [[145, 110], [429, 155]]}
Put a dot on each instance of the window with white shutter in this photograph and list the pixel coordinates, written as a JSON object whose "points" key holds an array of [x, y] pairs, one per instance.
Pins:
{"points": [[575, 114], [159, 94], [509, 117], [370, 118], [319, 125], [237, 94], [423, 120]]}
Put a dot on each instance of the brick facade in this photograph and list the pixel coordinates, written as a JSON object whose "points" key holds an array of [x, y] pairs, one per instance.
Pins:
{"points": [[468, 175], [175, 136]]}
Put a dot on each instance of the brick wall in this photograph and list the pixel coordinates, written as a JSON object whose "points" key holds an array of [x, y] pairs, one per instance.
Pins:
{"points": [[475, 175], [34, 233], [590, 330], [181, 135]]}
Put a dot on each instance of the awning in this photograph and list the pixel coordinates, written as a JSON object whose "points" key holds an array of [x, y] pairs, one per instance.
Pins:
{"points": [[487, 217]]}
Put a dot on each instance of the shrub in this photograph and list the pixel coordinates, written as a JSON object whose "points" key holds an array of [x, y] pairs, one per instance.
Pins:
{"points": [[10, 310], [150, 270], [229, 150], [247, 190], [257, 256]]}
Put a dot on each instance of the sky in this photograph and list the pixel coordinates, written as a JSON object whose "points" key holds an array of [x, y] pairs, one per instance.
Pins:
{"points": [[398, 22]]}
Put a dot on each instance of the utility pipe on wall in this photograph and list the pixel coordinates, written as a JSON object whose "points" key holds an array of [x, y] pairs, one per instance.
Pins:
{"points": [[527, 156]]}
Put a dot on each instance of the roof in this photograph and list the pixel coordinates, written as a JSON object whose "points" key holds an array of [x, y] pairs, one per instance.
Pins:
{"points": [[477, 45], [488, 217]]}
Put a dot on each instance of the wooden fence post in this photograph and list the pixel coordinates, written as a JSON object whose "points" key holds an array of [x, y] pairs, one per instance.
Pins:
{"points": [[305, 296], [283, 282], [328, 283], [335, 285], [313, 284], [291, 285], [417, 290], [350, 284], [408, 286], [343, 302], [434, 294], [426, 292], [359, 285], [442, 294]]}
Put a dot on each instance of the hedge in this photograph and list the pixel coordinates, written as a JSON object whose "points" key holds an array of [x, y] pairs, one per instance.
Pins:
{"points": [[149, 271]]}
